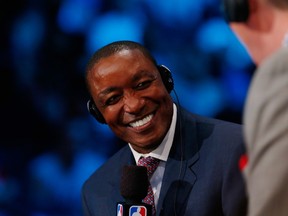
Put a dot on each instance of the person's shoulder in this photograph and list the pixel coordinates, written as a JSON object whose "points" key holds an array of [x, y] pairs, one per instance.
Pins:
{"points": [[112, 167], [270, 75], [219, 135], [223, 128], [276, 63], [280, 55], [209, 120]]}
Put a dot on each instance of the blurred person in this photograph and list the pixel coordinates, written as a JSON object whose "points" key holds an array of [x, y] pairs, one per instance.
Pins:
{"points": [[262, 26], [198, 170]]}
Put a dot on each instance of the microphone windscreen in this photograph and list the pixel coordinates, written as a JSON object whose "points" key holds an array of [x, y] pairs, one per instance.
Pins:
{"points": [[134, 183]]}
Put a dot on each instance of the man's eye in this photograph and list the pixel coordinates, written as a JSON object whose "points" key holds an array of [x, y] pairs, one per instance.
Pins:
{"points": [[143, 85], [112, 100]]}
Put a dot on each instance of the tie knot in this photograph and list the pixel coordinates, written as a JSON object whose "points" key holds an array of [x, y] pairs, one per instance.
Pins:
{"points": [[150, 163]]}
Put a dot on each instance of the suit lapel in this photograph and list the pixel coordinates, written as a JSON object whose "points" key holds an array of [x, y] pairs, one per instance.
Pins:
{"points": [[179, 178]]}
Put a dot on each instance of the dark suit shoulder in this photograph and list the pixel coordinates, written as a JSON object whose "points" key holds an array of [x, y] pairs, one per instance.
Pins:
{"points": [[111, 168], [201, 122], [200, 133], [225, 134], [100, 192]]}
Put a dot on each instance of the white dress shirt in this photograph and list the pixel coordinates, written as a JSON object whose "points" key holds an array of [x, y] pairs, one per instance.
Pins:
{"points": [[161, 153]]}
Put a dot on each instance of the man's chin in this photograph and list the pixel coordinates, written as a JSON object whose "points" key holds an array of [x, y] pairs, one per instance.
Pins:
{"points": [[144, 148]]}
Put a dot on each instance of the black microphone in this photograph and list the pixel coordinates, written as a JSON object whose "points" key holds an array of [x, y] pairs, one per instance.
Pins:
{"points": [[133, 187]]}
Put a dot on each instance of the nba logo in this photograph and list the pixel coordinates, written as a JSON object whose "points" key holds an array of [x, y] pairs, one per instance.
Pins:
{"points": [[137, 211], [119, 210]]}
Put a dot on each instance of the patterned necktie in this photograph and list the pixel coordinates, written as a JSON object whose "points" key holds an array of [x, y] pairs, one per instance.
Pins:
{"points": [[151, 164]]}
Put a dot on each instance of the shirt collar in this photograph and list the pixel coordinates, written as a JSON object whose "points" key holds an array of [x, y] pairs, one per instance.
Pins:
{"points": [[162, 151]]}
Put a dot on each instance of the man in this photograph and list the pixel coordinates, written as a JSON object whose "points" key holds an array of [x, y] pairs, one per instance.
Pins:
{"points": [[262, 25], [198, 171]]}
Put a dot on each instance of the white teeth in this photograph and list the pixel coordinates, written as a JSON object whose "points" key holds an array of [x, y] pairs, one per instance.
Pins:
{"points": [[142, 121]]}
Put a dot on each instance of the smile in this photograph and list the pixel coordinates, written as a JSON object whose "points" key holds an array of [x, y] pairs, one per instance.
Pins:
{"points": [[141, 122]]}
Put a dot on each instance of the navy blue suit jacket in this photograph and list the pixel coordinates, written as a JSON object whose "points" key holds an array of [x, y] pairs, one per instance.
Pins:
{"points": [[205, 182]]}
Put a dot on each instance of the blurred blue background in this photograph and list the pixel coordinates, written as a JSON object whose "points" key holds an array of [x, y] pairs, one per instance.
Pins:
{"points": [[49, 142]]}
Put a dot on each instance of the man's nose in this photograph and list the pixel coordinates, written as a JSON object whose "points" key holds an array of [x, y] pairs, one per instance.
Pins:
{"points": [[133, 104]]}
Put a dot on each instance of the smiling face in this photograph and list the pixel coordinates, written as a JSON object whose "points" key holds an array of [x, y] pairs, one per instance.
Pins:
{"points": [[128, 90]]}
